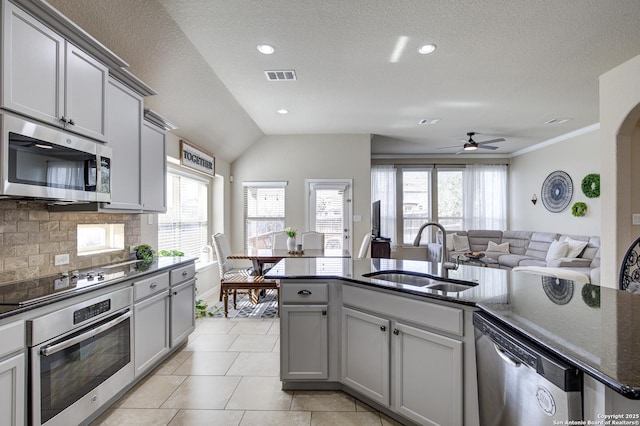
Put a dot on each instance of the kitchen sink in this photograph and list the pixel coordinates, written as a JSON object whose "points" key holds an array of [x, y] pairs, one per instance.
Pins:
{"points": [[429, 282], [450, 287], [118, 265]]}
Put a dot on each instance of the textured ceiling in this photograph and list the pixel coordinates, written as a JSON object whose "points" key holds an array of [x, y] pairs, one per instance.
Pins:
{"points": [[501, 68]]}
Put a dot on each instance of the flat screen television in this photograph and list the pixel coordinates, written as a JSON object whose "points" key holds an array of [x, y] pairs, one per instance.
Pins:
{"points": [[375, 219]]}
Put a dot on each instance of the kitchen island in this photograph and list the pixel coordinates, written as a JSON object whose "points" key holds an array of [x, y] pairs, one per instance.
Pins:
{"points": [[593, 328]]}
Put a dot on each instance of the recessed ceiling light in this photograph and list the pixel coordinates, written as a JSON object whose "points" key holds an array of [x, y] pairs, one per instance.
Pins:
{"points": [[283, 111], [426, 49], [266, 49], [429, 121]]}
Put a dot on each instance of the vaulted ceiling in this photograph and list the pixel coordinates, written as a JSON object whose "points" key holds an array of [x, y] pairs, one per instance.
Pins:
{"points": [[501, 69]]}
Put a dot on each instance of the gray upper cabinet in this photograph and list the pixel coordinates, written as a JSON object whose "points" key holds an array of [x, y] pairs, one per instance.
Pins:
{"points": [[124, 131], [49, 79], [153, 163]]}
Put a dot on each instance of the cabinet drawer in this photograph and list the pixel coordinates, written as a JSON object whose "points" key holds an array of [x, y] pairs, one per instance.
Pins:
{"points": [[151, 285], [11, 338], [304, 293], [428, 314], [183, 273]]}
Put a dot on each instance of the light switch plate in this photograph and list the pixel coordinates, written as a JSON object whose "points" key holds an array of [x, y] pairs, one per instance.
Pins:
{"points": [[357, 218], [635, 219]]}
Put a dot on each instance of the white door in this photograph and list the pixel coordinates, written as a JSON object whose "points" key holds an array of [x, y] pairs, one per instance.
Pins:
{"points": [[329, 208]]}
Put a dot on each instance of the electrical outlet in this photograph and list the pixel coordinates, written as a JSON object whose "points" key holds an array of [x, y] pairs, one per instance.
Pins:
{"points": [[61, 259], [635, 219], [132, 249]]}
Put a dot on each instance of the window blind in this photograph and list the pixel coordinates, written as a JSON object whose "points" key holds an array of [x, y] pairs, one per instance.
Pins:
{"points": [[184, 226], [263, 213]]}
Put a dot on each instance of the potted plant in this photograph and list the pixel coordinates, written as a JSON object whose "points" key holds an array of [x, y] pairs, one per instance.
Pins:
{"points": [[291, 240], [144, 252]]}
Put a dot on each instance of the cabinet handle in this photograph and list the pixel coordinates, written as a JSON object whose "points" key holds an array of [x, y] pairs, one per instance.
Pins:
{"points": [[73, 123], [396, 331], [153, 284], [383, 328], [304, 293], [324, 313], [64, 119], [185, 273], [175, 293]]}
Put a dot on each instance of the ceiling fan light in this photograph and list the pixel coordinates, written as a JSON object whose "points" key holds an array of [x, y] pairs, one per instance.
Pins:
{"points": [[470, 147]]}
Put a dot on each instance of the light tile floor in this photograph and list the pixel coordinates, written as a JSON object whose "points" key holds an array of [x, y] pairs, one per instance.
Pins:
{"points": [[228, 374]]}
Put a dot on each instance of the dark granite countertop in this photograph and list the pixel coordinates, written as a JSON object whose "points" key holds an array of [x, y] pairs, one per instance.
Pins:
{"points": [[594, 328], [115, 273]]}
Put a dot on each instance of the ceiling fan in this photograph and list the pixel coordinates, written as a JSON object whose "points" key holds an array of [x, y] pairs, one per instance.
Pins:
{"points": [[471, 145]]}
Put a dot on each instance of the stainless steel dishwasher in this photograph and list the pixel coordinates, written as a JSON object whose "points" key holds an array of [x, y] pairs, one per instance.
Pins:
{"points": [[519, 382]]}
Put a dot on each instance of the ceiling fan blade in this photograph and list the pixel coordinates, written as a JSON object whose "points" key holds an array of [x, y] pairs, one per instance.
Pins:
{"points": [[449, 147], [491, 141], [487, 147]]}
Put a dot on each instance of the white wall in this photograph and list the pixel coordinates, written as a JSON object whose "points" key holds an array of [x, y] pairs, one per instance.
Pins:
{"points": [[578, 157], [619, 115], [294, 158]]}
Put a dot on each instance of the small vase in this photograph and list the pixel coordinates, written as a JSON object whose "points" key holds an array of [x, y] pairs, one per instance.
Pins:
{"points": [[291, 243]]}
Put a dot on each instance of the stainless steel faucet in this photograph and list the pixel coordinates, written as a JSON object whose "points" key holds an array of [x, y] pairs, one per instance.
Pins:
{"points": [[444, 269]]}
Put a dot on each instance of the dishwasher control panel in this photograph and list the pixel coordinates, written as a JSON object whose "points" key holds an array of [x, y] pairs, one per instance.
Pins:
{"points": [[508, 344]]}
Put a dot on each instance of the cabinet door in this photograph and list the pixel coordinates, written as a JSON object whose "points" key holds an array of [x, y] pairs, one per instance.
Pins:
{"points": [[124, 122], [12, 389], [151, 331], [427, 376], [304, 351], [365, 354], [183, 311], [85, 89], [153, 169], [32, 66]]}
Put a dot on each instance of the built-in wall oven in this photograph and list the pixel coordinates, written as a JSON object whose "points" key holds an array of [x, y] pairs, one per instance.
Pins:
{"points": [[80, 358], [43, 162]]}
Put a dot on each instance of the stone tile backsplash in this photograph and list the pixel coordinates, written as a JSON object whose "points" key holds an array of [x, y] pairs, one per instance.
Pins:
{"points": [[31, 236]]}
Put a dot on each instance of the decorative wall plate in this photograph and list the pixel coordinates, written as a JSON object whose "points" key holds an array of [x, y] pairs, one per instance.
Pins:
{"points": [[557, 191], [558, 290]]}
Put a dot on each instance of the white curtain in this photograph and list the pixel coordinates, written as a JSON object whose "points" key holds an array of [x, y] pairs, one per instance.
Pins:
{"points": [[485, 197], [383, 188], [66, 174]]}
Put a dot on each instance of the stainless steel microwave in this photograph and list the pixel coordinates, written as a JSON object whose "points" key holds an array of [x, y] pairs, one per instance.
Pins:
{"points": [[42, 162]]}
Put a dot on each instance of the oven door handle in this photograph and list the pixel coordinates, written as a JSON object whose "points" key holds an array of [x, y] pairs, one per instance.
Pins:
{"points": [[52, 349]]}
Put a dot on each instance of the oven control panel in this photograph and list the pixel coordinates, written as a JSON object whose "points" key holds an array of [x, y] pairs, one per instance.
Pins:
{"points": [[91, 311]]}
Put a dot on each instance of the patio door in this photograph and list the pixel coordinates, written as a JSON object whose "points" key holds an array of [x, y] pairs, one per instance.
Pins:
{"points": [[329, 211]]}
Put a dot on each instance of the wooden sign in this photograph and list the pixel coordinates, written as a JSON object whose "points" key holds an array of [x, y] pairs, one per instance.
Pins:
{"points": [[196, 159]]}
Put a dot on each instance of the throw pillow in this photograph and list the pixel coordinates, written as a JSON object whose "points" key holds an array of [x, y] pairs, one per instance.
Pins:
{"points": [[576, 247], [450, 241], [557, 250], [503, 248], [460, 243]]}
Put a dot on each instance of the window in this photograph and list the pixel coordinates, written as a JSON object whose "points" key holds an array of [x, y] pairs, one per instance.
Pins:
{"points": [[450, 199], [184, 226], [416, 201], [100, 238], [263, 212]]}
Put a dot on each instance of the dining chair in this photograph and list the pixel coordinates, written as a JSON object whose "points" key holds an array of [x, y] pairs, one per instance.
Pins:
{"points": [[279, 241], [364, 246], [312, 240], [234, 279]]}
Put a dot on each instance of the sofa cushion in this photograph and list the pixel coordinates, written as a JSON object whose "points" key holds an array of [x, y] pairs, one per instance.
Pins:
{"points": [[518, 241], [504, 247], [576, 247], [513, 260], [479, 238], [460, 243], [569, 262], [557, 250], [532, 262], [539, 244]]}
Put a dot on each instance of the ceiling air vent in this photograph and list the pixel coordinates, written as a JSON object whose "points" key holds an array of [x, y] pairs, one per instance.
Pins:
{"points": [[281, 75]]}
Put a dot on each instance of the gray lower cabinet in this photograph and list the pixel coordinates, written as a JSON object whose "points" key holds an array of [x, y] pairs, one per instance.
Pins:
{"points": [[151, 331], [305, 321], [12, 374], [304, 350], [183, 300], [394, 353]]}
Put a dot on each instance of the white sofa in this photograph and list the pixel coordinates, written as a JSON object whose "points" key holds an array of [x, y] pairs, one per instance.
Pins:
{"points": [[527, 248]]}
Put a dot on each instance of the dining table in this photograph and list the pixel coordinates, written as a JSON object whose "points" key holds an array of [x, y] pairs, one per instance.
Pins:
{"points": [[262, 257]]}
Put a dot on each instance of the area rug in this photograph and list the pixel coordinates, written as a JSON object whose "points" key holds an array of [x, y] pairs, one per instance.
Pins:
{"points": [[267, 307]]}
